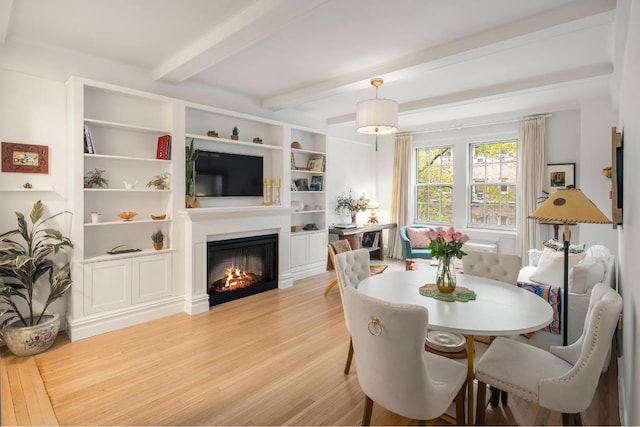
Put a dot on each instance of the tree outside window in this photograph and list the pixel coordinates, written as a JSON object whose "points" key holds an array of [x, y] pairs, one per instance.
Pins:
{"points": [[434, 189], [493, 171]]}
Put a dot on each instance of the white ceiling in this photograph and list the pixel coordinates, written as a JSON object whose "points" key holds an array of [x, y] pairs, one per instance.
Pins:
{"points": [[444, 61]]}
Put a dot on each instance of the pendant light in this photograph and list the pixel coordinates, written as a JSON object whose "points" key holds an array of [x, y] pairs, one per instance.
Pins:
{"points": [[377, 116]]}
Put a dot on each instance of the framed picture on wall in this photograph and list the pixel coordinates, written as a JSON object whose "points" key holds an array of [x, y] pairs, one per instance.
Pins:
{"points": [[617, 161], [560, 175], [25, 158]]}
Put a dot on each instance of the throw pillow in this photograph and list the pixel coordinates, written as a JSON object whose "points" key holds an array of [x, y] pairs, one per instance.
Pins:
{"points": [[585, 274], [418, 237], [550, 269], [550, 294]]}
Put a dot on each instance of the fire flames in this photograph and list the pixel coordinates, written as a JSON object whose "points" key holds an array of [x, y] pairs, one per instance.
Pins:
{"points": [[236, 279]]}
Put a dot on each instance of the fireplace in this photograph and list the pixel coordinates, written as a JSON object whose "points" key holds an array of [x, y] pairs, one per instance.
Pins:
{"points": [[237, 268]]}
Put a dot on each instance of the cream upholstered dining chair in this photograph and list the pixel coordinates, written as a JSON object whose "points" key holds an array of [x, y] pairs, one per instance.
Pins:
{"points": [[501, 267], [352, 268], [339, 246], [563, 379], [393, 368]]}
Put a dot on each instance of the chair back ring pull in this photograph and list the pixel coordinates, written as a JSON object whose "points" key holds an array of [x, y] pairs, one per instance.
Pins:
{"points": [[374, 327]]}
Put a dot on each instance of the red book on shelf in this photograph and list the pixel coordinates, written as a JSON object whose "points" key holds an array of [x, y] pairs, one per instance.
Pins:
{"points": [[164, 143]]}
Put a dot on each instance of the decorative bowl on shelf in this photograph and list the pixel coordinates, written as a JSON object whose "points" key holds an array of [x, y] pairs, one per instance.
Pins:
{"points": [[158, 217], [127, 215]]}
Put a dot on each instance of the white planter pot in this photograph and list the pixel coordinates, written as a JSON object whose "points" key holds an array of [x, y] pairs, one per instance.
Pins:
{"points": [[29, 340]]}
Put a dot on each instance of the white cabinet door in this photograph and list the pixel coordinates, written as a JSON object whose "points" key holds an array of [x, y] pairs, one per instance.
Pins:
{"points": [[107, 285], [151, 277], [299, 245], [318, 247]]}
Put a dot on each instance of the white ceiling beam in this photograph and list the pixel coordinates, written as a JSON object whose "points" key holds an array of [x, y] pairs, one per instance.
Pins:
{"points": [[496, 91], [258, 20], [571, 17], [5, 16]]}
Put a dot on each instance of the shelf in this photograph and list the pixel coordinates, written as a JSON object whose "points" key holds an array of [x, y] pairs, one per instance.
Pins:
{"points": [[118, 158], [300, 150], [233, 142], [116, 125], [121, 222], [310, 211], [124, 190], [303, 232], [307, 171], [107, 257], [307, 192], [26, 190]]}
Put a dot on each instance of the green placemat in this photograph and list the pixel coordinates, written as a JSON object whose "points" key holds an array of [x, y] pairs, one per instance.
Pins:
{"points": [[461, 294]]}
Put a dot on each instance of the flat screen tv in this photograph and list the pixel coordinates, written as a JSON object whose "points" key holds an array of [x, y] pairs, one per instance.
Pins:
{"points": [[228, 175]]}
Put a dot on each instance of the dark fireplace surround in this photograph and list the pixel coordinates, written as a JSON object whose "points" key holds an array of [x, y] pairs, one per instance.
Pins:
{"points": [[240, 267]]}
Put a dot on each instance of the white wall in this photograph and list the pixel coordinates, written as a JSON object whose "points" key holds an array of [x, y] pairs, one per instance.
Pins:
{"points": [[32, 111], [629, 232], [350, 165]]}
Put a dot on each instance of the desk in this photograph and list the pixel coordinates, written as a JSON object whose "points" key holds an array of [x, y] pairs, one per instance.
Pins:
{"points": [[355, 237], [499, 308]]}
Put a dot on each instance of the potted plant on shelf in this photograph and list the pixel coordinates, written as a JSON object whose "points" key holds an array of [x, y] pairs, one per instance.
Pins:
{"points": [[160, 182], [158, 240], [191, 155], [234, 133], [25, 267], [94, 179]]}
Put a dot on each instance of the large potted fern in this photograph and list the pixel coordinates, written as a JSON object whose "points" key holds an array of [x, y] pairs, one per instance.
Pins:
{"points": [[191, 155], [27, 268]]}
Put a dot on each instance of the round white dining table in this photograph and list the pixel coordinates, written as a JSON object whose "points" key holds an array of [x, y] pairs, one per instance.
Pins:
{"points": [[499, 308]]}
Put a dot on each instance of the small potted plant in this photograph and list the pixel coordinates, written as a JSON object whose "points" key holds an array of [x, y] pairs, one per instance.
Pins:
{"points": [[26, 268], [94, 179], [160, 182], [158, 240], [234, 133]]}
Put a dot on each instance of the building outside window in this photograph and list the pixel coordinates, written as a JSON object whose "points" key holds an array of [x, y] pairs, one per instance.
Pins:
{"points": [[492, 187], [434, 185]]}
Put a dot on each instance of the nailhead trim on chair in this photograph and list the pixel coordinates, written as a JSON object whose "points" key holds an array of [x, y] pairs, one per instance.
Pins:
{"points": [[510, 388]]}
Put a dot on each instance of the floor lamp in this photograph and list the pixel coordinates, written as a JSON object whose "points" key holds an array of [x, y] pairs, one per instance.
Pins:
{"points": [[568, 206]]}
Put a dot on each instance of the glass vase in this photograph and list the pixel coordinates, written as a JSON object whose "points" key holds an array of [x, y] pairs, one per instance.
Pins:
{"points": [[446, 275]]}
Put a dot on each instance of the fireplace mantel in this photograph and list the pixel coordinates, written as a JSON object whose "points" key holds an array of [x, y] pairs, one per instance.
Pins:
{"points": [[201, 225]]}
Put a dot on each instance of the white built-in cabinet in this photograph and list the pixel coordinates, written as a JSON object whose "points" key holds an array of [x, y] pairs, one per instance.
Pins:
{"points": [[112, 291], [308, 194]]}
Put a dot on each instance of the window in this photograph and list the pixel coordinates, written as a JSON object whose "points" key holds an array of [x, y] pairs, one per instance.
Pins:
{"points": [[493, 184], [434, 189]]}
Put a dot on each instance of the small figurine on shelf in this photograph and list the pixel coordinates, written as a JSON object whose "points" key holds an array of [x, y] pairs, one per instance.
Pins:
{"points": [[234, 133], [257, 140], [158, 239], [27, 185], [212, 133], [94, 179]]}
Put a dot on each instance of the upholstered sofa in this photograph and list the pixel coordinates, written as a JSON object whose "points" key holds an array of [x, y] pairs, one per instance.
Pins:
{"points": [[594, 265], [413, 246]]}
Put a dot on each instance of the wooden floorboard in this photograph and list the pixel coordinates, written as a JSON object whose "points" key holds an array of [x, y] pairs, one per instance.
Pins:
{"points": [[275, 358]]}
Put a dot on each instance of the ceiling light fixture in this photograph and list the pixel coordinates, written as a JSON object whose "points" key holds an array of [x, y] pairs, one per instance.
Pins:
{"points": [[377, 116]]}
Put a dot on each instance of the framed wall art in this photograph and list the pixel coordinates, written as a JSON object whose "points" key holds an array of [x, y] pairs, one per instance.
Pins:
{"points": [[25, 158], [560, 175], [617, 161]]}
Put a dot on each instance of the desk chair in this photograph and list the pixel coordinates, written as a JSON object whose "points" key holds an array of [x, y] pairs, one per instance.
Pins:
{"points": [[340, 246], [394, 370], [563, 379]]}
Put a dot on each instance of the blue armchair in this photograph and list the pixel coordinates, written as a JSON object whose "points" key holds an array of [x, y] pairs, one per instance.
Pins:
{"points": [[407, 251]]}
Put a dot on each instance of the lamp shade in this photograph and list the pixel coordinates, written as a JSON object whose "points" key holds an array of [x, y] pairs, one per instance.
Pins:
{"points": [[377, 116], [569, 205]]}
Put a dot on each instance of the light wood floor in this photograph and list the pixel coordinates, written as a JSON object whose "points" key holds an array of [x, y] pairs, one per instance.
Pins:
{"points": [[274, 358]]}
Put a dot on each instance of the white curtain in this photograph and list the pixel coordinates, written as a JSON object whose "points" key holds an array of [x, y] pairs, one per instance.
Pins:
{"points": [[531, 176], [400, 191]]}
